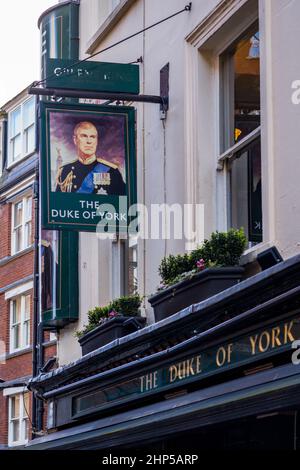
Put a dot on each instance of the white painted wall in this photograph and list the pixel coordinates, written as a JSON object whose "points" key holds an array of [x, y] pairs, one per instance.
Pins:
{"points": [[186, 172]]}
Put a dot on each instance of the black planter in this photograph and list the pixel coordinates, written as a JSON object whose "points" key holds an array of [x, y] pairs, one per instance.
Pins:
{"points": [[109, 331], [190, 291]]}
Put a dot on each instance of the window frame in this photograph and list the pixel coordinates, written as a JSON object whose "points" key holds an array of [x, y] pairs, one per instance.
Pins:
{"points": [[228, 152], [25, 222], [226, 91], [23, 132], [22, 419], [25, 321]]}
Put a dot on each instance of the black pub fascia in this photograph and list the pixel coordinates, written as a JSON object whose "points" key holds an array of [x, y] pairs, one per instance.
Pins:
{"points": [[226, 359]]}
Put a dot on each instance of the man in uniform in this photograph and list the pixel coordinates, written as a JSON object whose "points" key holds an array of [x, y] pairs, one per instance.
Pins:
{"points": [[89, 174]]}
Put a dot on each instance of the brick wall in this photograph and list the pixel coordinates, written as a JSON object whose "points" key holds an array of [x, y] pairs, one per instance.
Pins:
{"points": [[5, 239], [12, 270], [14, 366], [3, 419]]}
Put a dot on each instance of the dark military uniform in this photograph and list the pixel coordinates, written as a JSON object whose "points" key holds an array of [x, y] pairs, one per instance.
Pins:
{"points": [[98, 177]]}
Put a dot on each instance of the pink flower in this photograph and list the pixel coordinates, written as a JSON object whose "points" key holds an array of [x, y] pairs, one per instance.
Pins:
{"points": [[112, 314], [200, 264]]}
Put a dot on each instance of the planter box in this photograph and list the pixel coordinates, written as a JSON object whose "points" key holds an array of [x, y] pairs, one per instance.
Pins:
{"points": [[203, 285], [109, 331]]}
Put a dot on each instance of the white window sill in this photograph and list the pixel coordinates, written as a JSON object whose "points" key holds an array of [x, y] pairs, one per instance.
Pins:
{"points": [[12, 257], [20, 351], [250, 255], [22, 251], [12, 164], [17, 444]]}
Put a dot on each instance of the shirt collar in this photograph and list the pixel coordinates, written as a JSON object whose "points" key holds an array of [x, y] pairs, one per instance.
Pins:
{"points": [[88, 161]]}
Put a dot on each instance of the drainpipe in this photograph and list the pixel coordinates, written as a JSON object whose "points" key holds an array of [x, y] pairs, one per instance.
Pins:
{"points": [[36, 329], [4, 142]]}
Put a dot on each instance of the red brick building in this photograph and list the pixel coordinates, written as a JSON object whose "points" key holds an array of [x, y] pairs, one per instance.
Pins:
{"points": [[18, 159]]}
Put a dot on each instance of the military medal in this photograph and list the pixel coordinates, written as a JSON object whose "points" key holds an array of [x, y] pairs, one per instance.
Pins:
{"points": [[102, 191], [101, 179]]}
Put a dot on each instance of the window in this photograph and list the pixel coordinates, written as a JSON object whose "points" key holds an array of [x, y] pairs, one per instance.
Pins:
{"points": [[124, 267], [114, 4], [21, 124], [106, 7], [21, 224], [18, 419], [20, 323], [240, 151]]}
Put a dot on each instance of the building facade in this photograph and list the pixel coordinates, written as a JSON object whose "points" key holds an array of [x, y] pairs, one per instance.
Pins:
{"points": [[225, 105], [227, 147], [19, 160]]}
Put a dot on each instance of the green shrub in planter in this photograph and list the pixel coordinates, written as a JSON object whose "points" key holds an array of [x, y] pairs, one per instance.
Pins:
{"points": [[224, 249], [125, 306]]}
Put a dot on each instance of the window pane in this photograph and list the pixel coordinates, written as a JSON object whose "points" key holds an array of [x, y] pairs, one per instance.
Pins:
{"points": [[16, 312], [132, 270], [26, 404], [240, 88], [26, 334], [16, 147], [29, 139], [28, 113], [16, 336], [246, 198], [16, 431], [18, 239], [18, 214], [27, 241], [27, 307], [28, 213], [255, 195], [15, 407], [246, 86], [15, 122], [25, 429], [114, 4]]}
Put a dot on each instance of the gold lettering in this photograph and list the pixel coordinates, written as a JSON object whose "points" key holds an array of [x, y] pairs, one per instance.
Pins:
{"points": [[149, 382], [261, 347], [142, 383], [229, 352], [288, 337], [221, 360], [198, 365], [275, 337], [155, 379], [253, 340], [189, 366], [181, 370], [173, 373]]}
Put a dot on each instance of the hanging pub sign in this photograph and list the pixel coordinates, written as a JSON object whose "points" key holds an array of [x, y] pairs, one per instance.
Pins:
{"points": [[88, 166], [92, 76]]}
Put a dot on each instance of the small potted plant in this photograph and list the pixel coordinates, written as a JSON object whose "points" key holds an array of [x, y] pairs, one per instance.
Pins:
{"points": [[119, 318], [206, 271]]}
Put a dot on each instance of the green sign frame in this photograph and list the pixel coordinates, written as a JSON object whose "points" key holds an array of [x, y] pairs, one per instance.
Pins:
{"points": [[64, 307], [106, 186], [93, 76]]}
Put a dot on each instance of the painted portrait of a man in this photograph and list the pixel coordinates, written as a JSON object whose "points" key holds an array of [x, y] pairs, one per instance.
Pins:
{"points": [[87, 156], [89, 173]]}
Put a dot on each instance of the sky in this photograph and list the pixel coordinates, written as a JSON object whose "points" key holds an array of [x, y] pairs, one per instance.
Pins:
{"points": [[19, 45]]}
